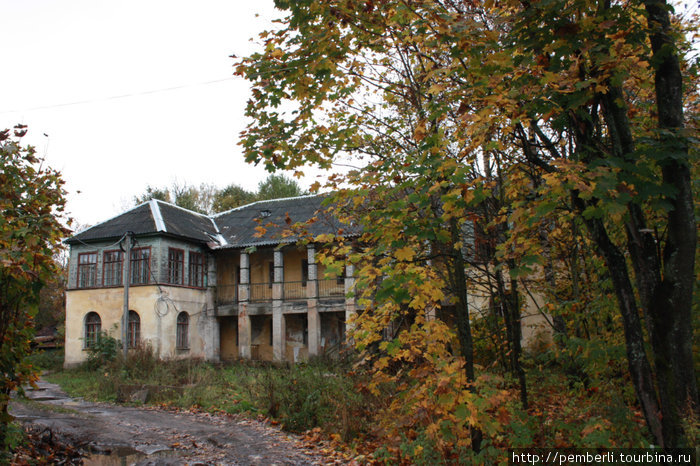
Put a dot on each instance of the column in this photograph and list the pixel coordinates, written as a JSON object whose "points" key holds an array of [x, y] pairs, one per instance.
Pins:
{"points": [[349, 301], [212, 343], [313, 317], [244, 332], [278, 328]]}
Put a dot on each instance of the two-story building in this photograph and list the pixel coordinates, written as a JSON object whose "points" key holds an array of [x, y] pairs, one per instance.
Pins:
{"points": [[216, 287], [232, 285]]}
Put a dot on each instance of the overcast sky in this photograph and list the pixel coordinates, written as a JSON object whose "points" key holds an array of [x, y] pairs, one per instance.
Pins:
{"points": [[110, 148]]}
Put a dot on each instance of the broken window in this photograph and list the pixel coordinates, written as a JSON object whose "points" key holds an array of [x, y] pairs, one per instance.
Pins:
{"points": [[182, 337], [196, 269], [112, 263], [140, 265], [176, 265], [87, 270], [134, 329], [93, 326]]}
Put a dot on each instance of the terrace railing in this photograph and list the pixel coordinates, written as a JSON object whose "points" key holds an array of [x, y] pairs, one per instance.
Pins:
{"points": [[294, 290], [260, 292], [331, 288], [226, 294]]}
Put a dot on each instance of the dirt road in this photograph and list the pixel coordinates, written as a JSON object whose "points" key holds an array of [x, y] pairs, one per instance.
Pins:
{"points": [[149, 436]]}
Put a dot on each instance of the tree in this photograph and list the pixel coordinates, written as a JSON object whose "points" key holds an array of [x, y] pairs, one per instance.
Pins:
{"points": [[577, 105], [160, 194], [232, 196], [31, 206], [52, 299], [208, 199], [277, 187]]}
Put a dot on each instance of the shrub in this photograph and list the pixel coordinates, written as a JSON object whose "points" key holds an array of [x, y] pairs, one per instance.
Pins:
{"points": [[103, 351]]}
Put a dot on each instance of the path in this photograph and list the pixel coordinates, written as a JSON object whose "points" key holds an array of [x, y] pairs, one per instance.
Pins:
{"points": [[154, 436]]}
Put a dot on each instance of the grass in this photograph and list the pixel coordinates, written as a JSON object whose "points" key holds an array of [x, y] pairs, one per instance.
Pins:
{"points": [[47, 360], [322, 396], [301, 397]]}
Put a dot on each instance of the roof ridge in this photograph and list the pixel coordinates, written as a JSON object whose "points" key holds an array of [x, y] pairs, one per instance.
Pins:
{"points": [[157, 215], [266, 200]]}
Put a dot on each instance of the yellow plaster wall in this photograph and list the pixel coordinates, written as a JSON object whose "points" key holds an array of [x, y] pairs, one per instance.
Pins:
{"points": [[292, 264], [228, 328], [533, 324], [158, 331], [259, 268], [261, 330], [295, 325], [226, 265]]}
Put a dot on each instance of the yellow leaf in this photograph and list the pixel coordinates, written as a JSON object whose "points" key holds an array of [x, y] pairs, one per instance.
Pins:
{"points": [[420, 132], [406, 253]]}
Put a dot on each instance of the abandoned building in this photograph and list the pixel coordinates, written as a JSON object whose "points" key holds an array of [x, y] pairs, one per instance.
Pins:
{"points": [[214, 287], [207, 286]]}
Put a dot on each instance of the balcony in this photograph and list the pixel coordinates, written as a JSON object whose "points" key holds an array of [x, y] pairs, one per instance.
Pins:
{"points": [[260, 292], [291, 291], [331, 288], [226, 294]]}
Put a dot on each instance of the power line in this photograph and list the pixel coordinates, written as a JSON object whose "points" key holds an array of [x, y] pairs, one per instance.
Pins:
{"points": [[115, 97]]}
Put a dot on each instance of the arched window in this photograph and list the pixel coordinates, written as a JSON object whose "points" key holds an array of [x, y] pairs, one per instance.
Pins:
{"points": [[93, 326], [183, 327], [134, 329]]}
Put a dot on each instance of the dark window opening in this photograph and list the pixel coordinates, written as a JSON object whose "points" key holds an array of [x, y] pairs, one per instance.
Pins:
{"points": [[93, 326], [182, 337], [133, 329]]}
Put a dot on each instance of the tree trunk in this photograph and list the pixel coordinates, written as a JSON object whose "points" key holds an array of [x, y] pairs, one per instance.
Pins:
{"points": [[638, 364], [464, 332], [670, 305]]}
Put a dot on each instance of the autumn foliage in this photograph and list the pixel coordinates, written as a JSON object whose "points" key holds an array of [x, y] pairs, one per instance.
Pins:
{"points": [[31, 204], [508, 150]]}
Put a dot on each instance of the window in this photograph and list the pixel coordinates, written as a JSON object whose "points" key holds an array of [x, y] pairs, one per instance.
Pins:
{"points": [[140, 265], [176, 265], [183, 324], [271, 273], [196, 269], [87, 270], [304, 272], [112, 263], [133, 330], [93, 326]]}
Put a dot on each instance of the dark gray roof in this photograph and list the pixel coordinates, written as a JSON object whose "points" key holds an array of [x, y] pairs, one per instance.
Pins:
{"points": [[139, 220], [185, 223], [232, 229], [150, 218], [238, 226]]}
